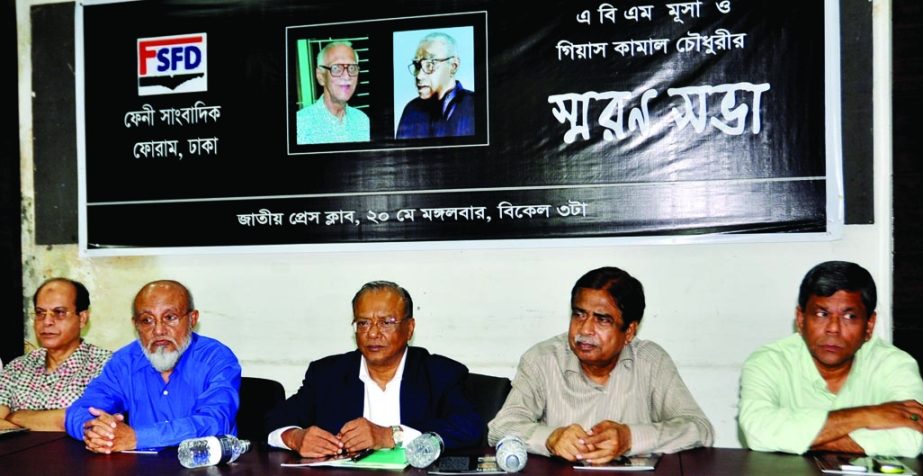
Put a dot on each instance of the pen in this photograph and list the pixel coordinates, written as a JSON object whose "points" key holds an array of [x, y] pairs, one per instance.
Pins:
{"points": [[362, 454]]}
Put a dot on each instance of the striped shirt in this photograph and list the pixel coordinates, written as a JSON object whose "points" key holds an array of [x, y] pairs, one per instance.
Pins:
{"points": [[644, 391]]}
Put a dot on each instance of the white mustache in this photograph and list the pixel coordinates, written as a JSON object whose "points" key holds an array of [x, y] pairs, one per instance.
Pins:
{"points": [[166, 338], [589, 340]]}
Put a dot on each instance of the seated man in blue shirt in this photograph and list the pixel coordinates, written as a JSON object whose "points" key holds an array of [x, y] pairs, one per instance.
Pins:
{"points": [[173, 384]]}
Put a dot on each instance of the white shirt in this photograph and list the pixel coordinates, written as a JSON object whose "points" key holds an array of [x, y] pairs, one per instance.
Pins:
{"points": [[381, 407]]}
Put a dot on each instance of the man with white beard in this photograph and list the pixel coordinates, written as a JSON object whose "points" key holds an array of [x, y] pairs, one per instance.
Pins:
{"points": [[169, 385], [596, 393]]}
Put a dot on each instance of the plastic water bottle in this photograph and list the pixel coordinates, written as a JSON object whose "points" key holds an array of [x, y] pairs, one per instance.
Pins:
{"points": [[211, 450], [511, 454], [424, 450]]}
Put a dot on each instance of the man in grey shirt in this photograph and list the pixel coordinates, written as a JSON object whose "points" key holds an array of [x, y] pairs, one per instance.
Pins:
{"points": [[597, 393]]}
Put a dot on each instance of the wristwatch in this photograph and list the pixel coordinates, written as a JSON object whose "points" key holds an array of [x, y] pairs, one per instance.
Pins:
{"points": [[397, 434]]}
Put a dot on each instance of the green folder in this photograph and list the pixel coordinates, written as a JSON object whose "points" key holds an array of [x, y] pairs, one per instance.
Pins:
{"points": [[381, 459], [392, 459]]}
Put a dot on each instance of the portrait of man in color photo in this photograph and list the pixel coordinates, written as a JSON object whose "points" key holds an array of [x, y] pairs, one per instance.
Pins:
{"points": [[326, 90]]}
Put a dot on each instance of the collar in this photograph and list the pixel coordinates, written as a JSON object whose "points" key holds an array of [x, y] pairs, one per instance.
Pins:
{"points": [[367, 379], [447, 104], [330, 117], [76, 360], [448, 101], [572, 363], [809, 369]]}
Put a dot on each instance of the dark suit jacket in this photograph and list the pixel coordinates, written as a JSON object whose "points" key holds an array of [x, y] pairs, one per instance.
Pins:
{"points": [[425, 117], [431, 397]]}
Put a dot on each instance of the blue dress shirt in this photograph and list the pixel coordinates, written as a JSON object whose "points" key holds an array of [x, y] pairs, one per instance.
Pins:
{"points": [[201, 398]]}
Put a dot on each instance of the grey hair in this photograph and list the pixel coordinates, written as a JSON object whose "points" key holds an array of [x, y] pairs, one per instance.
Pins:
{"points": [[445, 39], [323, 51]]}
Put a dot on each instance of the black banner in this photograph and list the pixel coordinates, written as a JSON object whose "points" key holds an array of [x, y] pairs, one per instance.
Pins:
{"points": [[203, 123]]}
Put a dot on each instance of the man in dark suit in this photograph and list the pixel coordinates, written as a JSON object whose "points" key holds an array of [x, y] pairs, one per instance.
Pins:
{"points": [[380, 396]]}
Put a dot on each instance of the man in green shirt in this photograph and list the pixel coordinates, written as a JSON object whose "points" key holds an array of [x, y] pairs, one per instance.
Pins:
{"points": [[330, 119], [833, 386]]}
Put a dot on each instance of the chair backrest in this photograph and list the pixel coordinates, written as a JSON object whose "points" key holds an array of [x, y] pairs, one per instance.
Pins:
{"points": [[487, 393], [257, 397]]}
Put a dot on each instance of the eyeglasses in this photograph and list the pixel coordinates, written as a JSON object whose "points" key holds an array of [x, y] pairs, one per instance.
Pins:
{"points": [[336, 70], [603, 322], [58, 314], [147, 321], [386, 326], [427, 65]]}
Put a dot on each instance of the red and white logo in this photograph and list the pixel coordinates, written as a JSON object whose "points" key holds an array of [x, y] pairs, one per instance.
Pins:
{"points": [[172, 64]]}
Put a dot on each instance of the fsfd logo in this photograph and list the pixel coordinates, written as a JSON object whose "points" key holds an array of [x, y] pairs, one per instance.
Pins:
{"points": [[172, 64]]}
